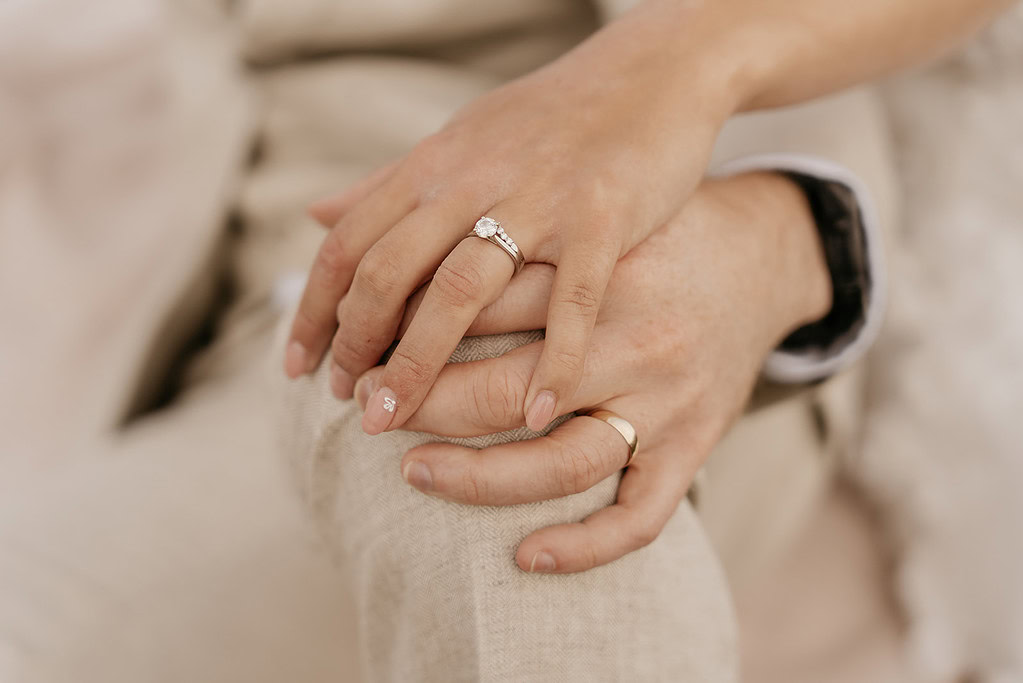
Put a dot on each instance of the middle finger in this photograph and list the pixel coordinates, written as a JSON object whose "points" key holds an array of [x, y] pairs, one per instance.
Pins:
{"points": [[403, 259]]}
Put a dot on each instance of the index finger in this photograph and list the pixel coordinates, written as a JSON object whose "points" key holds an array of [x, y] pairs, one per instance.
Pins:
{"points": [[332, 272]]}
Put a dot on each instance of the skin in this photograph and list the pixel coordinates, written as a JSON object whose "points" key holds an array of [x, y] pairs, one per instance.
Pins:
{"points": [[688, 317], [582, 161]]}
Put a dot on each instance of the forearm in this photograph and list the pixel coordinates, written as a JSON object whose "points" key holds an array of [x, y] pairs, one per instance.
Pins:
{"points": [[809, 48], [769, 53]]}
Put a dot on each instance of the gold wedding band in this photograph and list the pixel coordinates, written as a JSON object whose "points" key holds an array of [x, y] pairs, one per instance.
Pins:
{"points": [[623, 427]]}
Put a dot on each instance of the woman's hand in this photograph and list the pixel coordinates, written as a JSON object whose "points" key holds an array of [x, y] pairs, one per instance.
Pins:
{"points": [[687, 321], [579, 161]]}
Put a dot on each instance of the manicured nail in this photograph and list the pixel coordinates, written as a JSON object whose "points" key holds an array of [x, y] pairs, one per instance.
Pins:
{"points": [[542, 562], [296, 360], [379, 411], [541, 412], [417, 474], [364, 388], [341, 382]]}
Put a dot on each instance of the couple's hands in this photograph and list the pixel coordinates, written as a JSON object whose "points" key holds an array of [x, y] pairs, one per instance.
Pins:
{"points": [[688, 317], [580, 161]]}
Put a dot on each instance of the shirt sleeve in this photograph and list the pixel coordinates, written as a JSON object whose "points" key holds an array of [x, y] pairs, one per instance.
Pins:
{"points": [[850, 233]]}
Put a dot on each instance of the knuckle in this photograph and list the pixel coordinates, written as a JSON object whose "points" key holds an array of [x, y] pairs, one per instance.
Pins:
{"points": [[575, 470], [474, 487], [351, 354], [307, 325], [430, 154], [378, 275], [580, 298], [568, 360], [410, 367], [498, 397], [335, 260], [458, 286]]}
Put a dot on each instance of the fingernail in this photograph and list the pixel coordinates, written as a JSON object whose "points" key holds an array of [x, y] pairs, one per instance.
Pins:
{"points": [[296, 358], [541, 412], [379, 411], [417, 474], [364, 388], [340, 382], [542, 562]]}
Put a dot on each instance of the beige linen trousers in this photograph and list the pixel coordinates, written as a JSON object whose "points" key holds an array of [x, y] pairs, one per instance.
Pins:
{"points": [[171, 548]]}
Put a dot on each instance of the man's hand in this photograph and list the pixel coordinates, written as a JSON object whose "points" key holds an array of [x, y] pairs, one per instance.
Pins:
{"points": [[688, 318]]}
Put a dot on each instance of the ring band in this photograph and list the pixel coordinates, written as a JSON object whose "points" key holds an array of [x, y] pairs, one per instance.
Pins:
{"points": [[490, 230], [623, 426]]}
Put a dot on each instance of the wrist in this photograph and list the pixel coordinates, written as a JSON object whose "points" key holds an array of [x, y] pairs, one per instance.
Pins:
{"points": [[734, 62], [785, 248], [727, 59], [698, 60]]}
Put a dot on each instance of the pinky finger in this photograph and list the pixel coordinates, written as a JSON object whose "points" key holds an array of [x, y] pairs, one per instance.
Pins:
{"points": [[329, 210], [648, 496]]}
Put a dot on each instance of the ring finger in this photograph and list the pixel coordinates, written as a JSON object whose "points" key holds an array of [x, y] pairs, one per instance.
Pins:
{"points": [[521, 307], [469, 279], [571, 459]]}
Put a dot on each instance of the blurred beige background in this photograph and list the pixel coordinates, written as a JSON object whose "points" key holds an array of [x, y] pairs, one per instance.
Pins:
{"points": [[154, 159]]}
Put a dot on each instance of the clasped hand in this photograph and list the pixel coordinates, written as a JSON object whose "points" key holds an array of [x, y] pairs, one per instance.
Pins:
{"points": [[577, 169], [660, 297], [686, 321]]}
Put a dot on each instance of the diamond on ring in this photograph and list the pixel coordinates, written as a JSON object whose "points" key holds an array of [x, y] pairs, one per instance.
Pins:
{"points": [[487, 227]]}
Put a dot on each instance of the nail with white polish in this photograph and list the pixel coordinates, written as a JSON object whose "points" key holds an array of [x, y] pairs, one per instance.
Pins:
{"points": [[380, 411]]}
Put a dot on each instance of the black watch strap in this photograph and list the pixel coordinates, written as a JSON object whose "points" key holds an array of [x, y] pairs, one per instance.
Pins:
{"points": [[840, 225]]}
